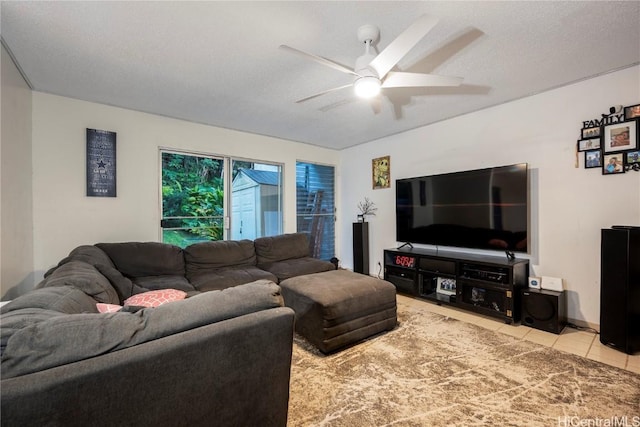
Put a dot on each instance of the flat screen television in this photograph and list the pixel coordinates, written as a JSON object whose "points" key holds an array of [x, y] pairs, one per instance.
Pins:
{"points": [[481, 209]]}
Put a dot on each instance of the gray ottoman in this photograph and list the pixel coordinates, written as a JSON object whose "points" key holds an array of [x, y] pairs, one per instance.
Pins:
{"points": [[338, 308]]}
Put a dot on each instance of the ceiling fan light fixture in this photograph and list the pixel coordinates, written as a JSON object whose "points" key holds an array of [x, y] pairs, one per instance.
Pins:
{"points": [[367, 87]]}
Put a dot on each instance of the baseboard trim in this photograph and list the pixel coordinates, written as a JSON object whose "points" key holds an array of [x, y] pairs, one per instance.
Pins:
{"points": [[584, 324]]}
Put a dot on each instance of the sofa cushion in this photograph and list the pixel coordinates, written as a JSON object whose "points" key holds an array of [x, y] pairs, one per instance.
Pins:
{"points": [[91, 255], [142, 259], [156, 298], [145, 299], [67, 338], [18, 319], [286, 269], [108, 308], [207, 256], [278, 248], [147, 283], [123, 285], [227, 277], [84, 277], [63, 299], [85, 253]]}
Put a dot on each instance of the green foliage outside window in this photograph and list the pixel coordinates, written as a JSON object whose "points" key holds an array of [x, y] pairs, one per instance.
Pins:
{"points": [[193, 187]]}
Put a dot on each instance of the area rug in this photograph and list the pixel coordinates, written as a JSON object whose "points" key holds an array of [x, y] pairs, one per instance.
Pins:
{"points": [[437, 371]]}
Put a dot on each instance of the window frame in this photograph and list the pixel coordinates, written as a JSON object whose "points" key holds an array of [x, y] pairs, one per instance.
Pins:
{"points": [[227, 178]]}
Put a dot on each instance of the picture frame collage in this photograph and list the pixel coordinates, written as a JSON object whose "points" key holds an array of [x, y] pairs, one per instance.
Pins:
{"points": [[613, 146]]}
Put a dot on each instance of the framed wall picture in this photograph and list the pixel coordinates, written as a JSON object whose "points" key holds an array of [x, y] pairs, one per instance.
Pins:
{"points": [[588, 144], [381, 172], [101, 163], [632, 161], [632, 112], [588, 133], [592, 159], [612, 164], [633, 157], [621, 136]]}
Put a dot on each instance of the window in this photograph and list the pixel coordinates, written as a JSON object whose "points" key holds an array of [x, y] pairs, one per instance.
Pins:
{"points": [[256, 200], [315, 203], [195, 203], [192, 198]]}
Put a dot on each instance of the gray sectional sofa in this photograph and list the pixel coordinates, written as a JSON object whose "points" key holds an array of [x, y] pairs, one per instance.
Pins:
{"points": [[221, 356]]}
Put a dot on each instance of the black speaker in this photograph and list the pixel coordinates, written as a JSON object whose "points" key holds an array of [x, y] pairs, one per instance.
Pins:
{"points": [[620, 288], [361, 247], [544, 309]]}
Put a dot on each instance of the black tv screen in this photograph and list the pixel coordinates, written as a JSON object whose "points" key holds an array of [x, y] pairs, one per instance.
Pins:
{"points": [[482, 209]]}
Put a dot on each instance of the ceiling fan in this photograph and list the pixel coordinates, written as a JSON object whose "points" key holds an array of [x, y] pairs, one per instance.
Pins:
{"points": [[373, 72]]}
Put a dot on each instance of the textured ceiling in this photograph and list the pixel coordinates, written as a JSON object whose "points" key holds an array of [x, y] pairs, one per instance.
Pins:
{"points": [[218, 63]]}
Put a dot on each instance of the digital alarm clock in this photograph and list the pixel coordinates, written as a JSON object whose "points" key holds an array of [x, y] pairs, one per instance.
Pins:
{"points": [[404, 261]]}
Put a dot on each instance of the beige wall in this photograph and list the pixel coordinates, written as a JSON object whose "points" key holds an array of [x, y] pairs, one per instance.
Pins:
{"points": [[65, 218], [16, 215], [569, 205]]}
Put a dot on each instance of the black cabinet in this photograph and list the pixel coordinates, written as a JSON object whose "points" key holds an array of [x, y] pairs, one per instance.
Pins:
{"points": [[485, 284], [620, 288]]}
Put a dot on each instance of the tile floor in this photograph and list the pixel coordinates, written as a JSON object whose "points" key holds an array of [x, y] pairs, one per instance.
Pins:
{"points": [[583, 343]]}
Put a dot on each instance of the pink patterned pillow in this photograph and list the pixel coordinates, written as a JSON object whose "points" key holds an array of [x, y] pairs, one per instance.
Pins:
{"points": [[107, 308], [155, 298]]}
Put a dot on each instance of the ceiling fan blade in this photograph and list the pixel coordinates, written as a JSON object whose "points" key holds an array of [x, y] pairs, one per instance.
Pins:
{"points": [[319, 59], [398, 79], [322, 93], [398, 48], [337, 104]]}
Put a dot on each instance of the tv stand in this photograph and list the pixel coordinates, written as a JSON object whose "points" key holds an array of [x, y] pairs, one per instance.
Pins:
{"points": [[484, 284]]}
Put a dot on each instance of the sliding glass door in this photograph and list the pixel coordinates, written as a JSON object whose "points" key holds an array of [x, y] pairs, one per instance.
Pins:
{"points": [[315, 201]]}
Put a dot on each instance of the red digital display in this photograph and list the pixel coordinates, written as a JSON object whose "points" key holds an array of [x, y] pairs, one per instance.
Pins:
{"points": [[405, 261]]}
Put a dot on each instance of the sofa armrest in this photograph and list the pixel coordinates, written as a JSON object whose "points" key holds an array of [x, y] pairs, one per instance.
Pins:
{"points": [[233, 372]]}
